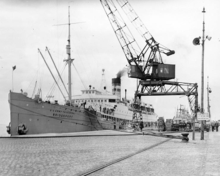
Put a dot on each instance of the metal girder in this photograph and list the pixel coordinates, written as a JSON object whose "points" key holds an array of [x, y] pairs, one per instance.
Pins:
{"points": [[165, 88], [162, 88], [158, 88]]}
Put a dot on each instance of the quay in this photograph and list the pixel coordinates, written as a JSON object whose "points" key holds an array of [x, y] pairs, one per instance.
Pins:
{"points": [[109, 152]]}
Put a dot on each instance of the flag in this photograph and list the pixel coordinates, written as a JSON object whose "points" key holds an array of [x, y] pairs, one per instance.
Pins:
{"points": [[14, 67]]}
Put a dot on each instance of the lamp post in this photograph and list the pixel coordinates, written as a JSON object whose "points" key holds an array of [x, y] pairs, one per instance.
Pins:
{"points": [[202, 80], [196, 41], [208, 92]]}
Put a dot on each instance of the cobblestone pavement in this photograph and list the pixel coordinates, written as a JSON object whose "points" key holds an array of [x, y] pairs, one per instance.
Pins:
{"points": [[75, 155]]}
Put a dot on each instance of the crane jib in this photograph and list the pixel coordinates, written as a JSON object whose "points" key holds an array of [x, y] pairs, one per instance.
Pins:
{"points": [[140, 60]]}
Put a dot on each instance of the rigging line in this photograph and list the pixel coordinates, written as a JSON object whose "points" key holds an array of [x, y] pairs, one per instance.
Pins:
{"points": [[49, 94], [57, 70], [32, 96], [41, 72], [51, 90], [53, 87], [81, 79], [33, 81], [79, 75], [83, 84], [29, 85], [51, 73]]}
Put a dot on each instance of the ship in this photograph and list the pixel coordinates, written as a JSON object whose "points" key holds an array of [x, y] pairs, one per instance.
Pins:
{"points": [[90, 111], [182, 115], [114, 111]]}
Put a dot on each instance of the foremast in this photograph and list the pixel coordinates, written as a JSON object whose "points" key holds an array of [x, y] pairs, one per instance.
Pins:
{"points": [[69, 60]]}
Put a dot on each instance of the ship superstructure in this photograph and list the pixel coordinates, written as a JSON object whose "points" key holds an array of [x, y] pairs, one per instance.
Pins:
{"points": [[110, 106], [182, 115]]}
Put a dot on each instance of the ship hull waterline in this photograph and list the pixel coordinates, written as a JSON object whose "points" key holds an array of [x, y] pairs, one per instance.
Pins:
{"points": [[43, 117]]}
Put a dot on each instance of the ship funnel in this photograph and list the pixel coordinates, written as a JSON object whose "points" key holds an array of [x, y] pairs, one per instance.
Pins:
{"points": [[116, 87]]}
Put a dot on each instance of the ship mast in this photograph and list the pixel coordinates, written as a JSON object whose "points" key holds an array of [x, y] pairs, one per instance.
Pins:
{"points": [[69, 60]]}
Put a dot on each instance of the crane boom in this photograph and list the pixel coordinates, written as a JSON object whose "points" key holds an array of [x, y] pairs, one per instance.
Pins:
{"points": [[134, 18], [140, 27], [144, 63], [122, 32]]}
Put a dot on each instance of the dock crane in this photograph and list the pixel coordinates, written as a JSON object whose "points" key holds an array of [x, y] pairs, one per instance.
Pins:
{"points": [[146, 63]]}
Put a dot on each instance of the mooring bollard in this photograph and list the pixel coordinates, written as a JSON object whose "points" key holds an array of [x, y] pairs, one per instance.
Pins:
{"points": [[185, 137]]}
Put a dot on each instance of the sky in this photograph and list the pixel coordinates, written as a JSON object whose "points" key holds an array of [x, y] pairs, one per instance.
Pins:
{"points": [[27, 25]]}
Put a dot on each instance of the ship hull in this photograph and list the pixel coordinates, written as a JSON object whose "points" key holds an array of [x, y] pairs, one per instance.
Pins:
{"points": [[40, 117], [43, 117]]}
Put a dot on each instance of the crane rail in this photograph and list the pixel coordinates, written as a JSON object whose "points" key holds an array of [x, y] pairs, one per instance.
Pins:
{"points": [[98, 168]]}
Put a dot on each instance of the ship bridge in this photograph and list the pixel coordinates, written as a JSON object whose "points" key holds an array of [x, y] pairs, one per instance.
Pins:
{"points": [[94, 96]]}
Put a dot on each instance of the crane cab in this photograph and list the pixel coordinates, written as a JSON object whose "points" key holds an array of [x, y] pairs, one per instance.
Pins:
{"points": [[159, 72]]}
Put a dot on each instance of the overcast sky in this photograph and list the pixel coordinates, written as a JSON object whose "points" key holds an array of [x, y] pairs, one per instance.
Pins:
{"points": [[27, 25]]}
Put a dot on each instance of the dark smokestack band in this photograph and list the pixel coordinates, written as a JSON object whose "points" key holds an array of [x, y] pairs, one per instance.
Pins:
{"points": [[116, 80]]}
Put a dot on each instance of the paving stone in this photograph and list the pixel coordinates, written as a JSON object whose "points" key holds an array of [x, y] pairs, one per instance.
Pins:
{"points": [[69, 156]]}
